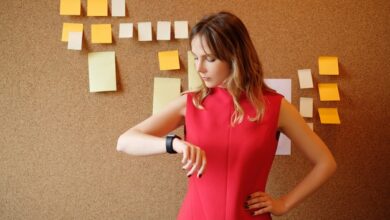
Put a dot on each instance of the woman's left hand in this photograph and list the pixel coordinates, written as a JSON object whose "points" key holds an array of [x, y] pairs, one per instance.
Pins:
{"points": [[260, 202]]}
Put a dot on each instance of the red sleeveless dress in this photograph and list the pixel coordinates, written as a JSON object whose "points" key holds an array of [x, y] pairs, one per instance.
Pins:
{"points": [[239, 158]]}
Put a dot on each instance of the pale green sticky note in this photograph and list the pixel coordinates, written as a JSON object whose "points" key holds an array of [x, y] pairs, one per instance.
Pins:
{"points": [[70, 7], [165, 90], [102, 72], [194, 80], [97, 8]]}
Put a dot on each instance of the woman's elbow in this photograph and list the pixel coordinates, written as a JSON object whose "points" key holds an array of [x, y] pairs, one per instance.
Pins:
{"points": [[121, 145]]}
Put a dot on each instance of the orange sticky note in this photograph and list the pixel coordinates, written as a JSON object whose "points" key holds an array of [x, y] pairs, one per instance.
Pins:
{"points": [[97, 8], [328, 65], [101, 33], [329, 116], [70, 27], [328, 92], [70, 7], [169, 60]]}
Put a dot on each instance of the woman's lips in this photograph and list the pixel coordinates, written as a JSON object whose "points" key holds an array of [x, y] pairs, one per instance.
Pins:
{"points": [[206, 78]]}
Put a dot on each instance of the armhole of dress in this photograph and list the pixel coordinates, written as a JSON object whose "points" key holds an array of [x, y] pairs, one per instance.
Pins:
{"points": [[279, 106], [188, 102]]}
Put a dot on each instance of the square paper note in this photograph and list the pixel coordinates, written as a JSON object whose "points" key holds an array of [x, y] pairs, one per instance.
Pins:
{"points": [[328, 92], [97, 8], [169, 60], [126, 30], [305, 79], [181, 29], [329, 116], [328, 65], [70, 7], [163, 30], [70, 27], [101, 33], [144, 31], [102, 73]]}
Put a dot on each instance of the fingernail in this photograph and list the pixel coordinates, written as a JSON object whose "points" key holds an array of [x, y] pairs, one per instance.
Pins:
{"points": [[200, 175], [246, 206], [248, 197], [189, 175]]}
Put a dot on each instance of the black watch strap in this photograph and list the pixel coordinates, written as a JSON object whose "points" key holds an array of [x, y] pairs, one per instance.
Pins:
{"points": [[169, 143]]}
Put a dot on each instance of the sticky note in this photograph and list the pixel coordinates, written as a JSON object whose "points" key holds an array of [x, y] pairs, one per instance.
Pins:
{"points": [[305, 79], [194, 80], [97, 8], [125, 30], [328, 92], [169, 60], [306, 107], [75, 40], [282, 86], [102, 72], [70, 7], [311, 126], [181, 29], [70, 27], [101, 33], [118, 8], [328, 65], [329, 116], [165, 90], [163, 30], [144, 31]]}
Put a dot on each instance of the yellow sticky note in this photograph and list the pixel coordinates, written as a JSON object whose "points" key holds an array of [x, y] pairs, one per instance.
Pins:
{"points": [[70, 7], [70, 27], [101, 33], [169, 60], [194, 80], [165, 90], [328, 65], [329, 116], [97, 8], [102, 72], [328, 92]]}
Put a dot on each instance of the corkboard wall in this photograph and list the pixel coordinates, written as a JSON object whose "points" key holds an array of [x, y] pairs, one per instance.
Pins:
{"points": [[57, 145]]}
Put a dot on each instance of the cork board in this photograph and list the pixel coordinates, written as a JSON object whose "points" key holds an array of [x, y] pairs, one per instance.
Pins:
{"points": [[57, 145]]}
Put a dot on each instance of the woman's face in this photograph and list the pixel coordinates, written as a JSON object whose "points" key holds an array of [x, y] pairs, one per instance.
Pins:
{"points": [[212, 70]]}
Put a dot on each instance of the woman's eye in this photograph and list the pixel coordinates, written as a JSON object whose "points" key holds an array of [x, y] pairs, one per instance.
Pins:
{"points": [[210, 59]]}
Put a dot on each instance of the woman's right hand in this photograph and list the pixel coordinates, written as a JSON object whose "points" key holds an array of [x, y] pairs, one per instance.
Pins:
{"points": [[194, 157]]}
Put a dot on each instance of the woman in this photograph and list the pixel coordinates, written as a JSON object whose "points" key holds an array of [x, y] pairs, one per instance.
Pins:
{"points": [[232, 123]]}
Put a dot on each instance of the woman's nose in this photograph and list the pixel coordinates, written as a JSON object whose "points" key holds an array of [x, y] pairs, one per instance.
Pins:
{"points": [[200, 67]]}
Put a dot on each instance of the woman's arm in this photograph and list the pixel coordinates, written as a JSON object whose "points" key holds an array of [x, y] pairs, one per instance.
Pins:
{"points": [[146, 138], [293, 125]]}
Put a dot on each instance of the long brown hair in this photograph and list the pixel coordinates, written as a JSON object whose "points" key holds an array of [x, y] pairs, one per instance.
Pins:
{"points": [[229, 41]]}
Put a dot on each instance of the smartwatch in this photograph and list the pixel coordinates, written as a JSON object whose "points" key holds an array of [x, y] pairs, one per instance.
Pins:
{"points": [[169, 143]]}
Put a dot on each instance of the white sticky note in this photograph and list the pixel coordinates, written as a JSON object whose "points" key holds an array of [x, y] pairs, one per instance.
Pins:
{"points": [[305, 79], [311, 126], [126, 30], [282, 86], [163, 30], [306, 107], [102, 71], [118, 8], [75, 40], [181, 29], [144, 31], [165, 90]]}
